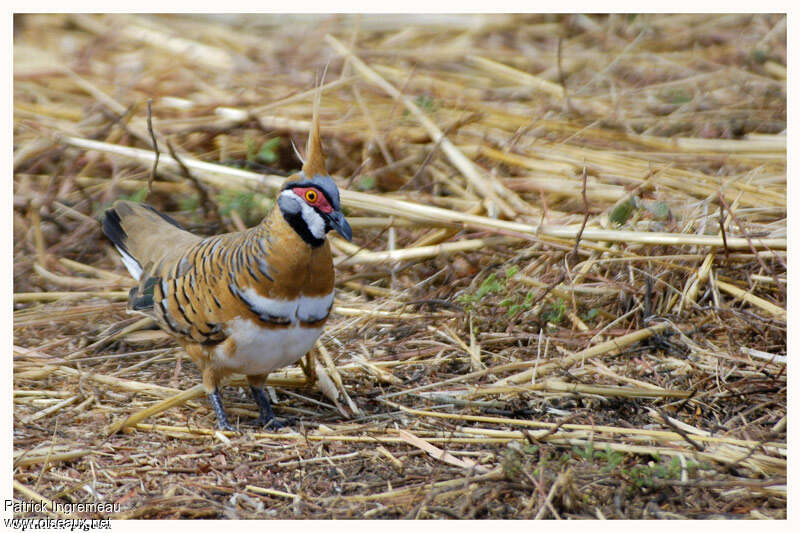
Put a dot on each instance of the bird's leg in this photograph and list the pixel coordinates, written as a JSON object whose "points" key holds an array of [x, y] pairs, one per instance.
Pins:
{"points": [[211, 381], [222, 418], [266, 416], [264, 407], [174, 381]]}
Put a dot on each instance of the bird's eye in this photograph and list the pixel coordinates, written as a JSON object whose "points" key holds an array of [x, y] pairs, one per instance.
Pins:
{"points": [[311, 196]]}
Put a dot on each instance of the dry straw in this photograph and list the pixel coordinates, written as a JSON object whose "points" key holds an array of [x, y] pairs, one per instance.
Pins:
{"points": [[566, 294]]}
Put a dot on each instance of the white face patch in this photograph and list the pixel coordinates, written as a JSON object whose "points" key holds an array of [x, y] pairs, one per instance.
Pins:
{"points": [[302, 309], [316, 226], [260, 350], [315, 223]]}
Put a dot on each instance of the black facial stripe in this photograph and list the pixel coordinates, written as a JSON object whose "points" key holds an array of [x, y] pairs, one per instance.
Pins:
{"points": [[297, 223]]}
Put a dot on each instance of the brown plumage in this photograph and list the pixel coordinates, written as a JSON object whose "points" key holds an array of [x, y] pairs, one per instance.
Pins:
{"points": [[246, 302]]}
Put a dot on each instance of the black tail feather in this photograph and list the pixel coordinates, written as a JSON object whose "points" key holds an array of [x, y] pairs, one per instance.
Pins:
{"points": [[112, 227]]}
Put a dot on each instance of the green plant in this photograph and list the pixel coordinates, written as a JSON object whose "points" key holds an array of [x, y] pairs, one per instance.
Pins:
{"points": [[366, 183], [586, 453], [512, 463], [553, 313], [530, 448], [659, 210], [591, 314], [189, 203], [139, 195], [622, 212], [425, 103], [247, 204], [648, 475], [612, 458], [514, 308], [490, 285], [268, 153], [517, 458], [677, 96]]}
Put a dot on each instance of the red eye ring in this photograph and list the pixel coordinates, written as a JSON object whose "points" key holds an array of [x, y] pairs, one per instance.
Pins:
{"points": [[311, 196]]}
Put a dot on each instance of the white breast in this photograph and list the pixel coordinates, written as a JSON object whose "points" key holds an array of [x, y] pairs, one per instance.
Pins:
{"points": [[260, 350]]}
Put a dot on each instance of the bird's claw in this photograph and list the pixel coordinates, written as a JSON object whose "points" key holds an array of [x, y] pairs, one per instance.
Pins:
{"points": [[274, 423], [226, 426]]}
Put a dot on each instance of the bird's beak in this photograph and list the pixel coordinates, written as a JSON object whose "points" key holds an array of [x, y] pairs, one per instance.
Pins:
{"points": [[338, 222]]}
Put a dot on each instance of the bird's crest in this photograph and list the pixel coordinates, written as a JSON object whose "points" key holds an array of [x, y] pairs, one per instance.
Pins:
{"points": [[314, 163], [315, 157]]}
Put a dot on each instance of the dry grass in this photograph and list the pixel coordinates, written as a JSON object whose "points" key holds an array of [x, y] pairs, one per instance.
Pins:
{"points": [[566, 295]]}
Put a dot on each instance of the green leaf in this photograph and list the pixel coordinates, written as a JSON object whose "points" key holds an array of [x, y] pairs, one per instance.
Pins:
{"points": [[660, 210], [622, 212], [490, 285], [553, 313], [366, 183], [426, 103], [464, 298], [138, 195], [677, 96], [249, 205], [586, 453], [528, 299], [268, 153]]}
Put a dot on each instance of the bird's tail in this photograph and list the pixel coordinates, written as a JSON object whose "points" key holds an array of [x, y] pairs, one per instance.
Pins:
{"points": [[150, 244]]}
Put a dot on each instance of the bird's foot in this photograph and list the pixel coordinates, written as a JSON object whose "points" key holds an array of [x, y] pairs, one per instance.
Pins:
{"points": [[267, 419], [224, 425], [274, 423]]}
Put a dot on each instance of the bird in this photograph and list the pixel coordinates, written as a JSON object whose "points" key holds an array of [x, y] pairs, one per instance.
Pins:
{"points": [[246, 302]]}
